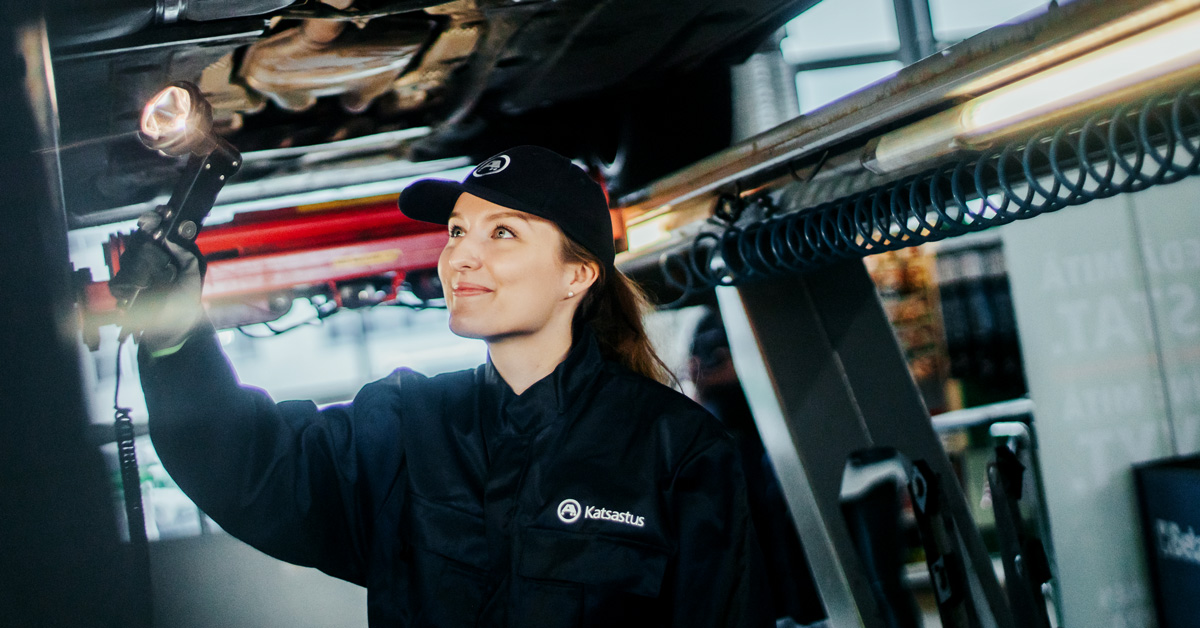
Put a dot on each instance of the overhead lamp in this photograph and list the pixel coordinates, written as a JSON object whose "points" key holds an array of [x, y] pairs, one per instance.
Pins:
{"points": [[1156, 56]]}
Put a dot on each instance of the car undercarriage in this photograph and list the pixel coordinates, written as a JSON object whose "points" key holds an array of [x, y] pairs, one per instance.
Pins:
{"points": [[338, 87]]}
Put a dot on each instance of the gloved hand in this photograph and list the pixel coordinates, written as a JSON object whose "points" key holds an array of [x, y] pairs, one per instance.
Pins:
{"points": [[159, 284]]}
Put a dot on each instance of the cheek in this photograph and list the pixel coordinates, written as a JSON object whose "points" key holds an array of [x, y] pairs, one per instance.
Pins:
{"points": [[534, 282], [443, 270]]}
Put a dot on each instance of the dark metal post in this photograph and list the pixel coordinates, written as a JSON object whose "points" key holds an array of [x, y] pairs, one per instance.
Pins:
{"points": [[61, 563], [826, 379], [914, 25]]}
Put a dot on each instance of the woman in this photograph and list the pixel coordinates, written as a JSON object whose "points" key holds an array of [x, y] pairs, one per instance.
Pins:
{"points": [[555, 485]]}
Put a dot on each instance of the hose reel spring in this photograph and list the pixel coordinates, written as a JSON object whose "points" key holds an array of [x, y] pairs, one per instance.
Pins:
{"points": [[1127, 149]]}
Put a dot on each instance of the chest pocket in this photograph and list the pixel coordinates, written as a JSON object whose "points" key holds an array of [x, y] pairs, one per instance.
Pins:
{"points": [[571, 579], [449, 558]]}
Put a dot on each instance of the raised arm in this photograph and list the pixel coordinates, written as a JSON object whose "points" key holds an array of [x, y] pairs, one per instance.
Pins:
{"points": [[286, 478]]}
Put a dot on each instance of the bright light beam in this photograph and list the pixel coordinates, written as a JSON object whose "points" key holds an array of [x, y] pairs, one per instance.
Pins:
{"points": [[1153, 54]]}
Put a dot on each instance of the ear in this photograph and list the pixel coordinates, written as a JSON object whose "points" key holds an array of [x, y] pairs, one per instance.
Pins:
{"points": [[580, 277]]}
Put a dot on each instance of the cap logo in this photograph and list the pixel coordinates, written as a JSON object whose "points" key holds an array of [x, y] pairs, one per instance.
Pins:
{"points": [[492, 166]]}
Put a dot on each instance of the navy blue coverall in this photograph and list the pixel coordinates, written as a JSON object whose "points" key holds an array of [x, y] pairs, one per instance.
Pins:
{"points": [[595, 498]]}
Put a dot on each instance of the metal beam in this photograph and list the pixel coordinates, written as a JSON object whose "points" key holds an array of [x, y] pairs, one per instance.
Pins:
{"points": [[990, 59], [914, 25], [826, 380], [841, 62]]}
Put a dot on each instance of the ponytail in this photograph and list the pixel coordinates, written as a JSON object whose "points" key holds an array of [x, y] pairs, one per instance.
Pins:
{"points": [[614, 307]]}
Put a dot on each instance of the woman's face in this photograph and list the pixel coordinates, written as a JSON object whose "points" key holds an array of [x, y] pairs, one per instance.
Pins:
{"points": [[502, 272]]}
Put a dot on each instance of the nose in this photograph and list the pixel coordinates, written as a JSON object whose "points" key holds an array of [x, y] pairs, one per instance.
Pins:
{"points": [[463, 254]]}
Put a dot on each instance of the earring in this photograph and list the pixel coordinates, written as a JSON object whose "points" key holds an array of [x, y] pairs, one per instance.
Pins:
{"points": [[570, 294]]}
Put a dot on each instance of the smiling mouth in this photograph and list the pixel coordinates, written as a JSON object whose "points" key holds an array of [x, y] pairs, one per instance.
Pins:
{"points": [[470, 292]]}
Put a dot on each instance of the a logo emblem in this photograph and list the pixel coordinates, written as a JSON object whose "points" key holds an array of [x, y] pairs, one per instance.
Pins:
{"points": [[569, 511], [492, 166]]}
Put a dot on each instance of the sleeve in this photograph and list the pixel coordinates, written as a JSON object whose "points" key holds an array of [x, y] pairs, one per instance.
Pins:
{"points": [[717, 577], [289, 479]]}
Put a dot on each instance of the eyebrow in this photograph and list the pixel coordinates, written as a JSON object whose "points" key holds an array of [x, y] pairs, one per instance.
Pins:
{"points": [[496, 215]]}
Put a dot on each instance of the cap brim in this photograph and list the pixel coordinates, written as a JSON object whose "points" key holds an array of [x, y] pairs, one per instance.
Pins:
{"points": [[433, 200], [430, 200]]}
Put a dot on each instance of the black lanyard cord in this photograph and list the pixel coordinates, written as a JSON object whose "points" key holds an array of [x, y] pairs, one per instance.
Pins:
{"points": [[139, 547]]}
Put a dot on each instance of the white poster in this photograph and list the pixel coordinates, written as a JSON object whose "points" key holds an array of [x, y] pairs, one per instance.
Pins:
{"points": [[1169, 228], [1105, 294]]}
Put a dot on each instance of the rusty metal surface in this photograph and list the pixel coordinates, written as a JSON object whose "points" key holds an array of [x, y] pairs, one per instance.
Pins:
{"points": [[984, 62], [295, 67], [449, 52]]}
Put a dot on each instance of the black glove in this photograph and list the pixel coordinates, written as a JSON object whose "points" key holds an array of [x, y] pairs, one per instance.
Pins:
{"points": [[158, 285]]}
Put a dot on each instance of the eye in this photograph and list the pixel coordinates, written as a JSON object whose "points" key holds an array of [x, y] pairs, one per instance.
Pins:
{"points": [[456, 231], [503, 232]]}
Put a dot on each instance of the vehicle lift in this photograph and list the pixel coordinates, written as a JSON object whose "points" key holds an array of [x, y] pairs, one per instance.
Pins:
{"points": [[777, 224]]}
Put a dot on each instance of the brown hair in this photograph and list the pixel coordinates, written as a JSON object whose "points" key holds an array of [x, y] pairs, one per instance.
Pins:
{"points": [[614, 307]]}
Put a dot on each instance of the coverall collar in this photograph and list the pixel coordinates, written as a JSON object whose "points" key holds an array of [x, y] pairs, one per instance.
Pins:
{"points": [[564, 384]]}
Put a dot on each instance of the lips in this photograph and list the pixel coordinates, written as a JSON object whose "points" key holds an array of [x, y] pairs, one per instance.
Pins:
{"points": [[469, 290]]}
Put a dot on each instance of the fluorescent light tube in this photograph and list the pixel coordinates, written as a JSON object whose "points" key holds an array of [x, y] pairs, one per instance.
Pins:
{"points": [[1158, 54]]}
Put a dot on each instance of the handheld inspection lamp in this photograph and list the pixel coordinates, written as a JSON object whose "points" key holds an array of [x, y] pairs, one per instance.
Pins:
{"points": [[176, 122]]}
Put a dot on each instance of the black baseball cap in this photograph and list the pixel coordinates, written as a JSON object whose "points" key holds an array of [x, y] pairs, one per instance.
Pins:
{"points": [[531, 179]]}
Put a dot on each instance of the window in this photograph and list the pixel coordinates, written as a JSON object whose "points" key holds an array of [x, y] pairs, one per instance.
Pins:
{"points": [[841, 28], [955, 20], [840, 46], [817, 88]]}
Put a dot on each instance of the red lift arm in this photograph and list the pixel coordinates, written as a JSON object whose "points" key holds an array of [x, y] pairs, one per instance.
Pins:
{"points": [[286, 251]]}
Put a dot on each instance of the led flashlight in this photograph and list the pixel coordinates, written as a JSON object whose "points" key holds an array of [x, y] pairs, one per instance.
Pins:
{"points": [[177, 121]]}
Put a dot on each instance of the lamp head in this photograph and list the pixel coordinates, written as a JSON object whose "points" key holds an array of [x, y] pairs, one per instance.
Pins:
{"points": [[177, 121]]}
